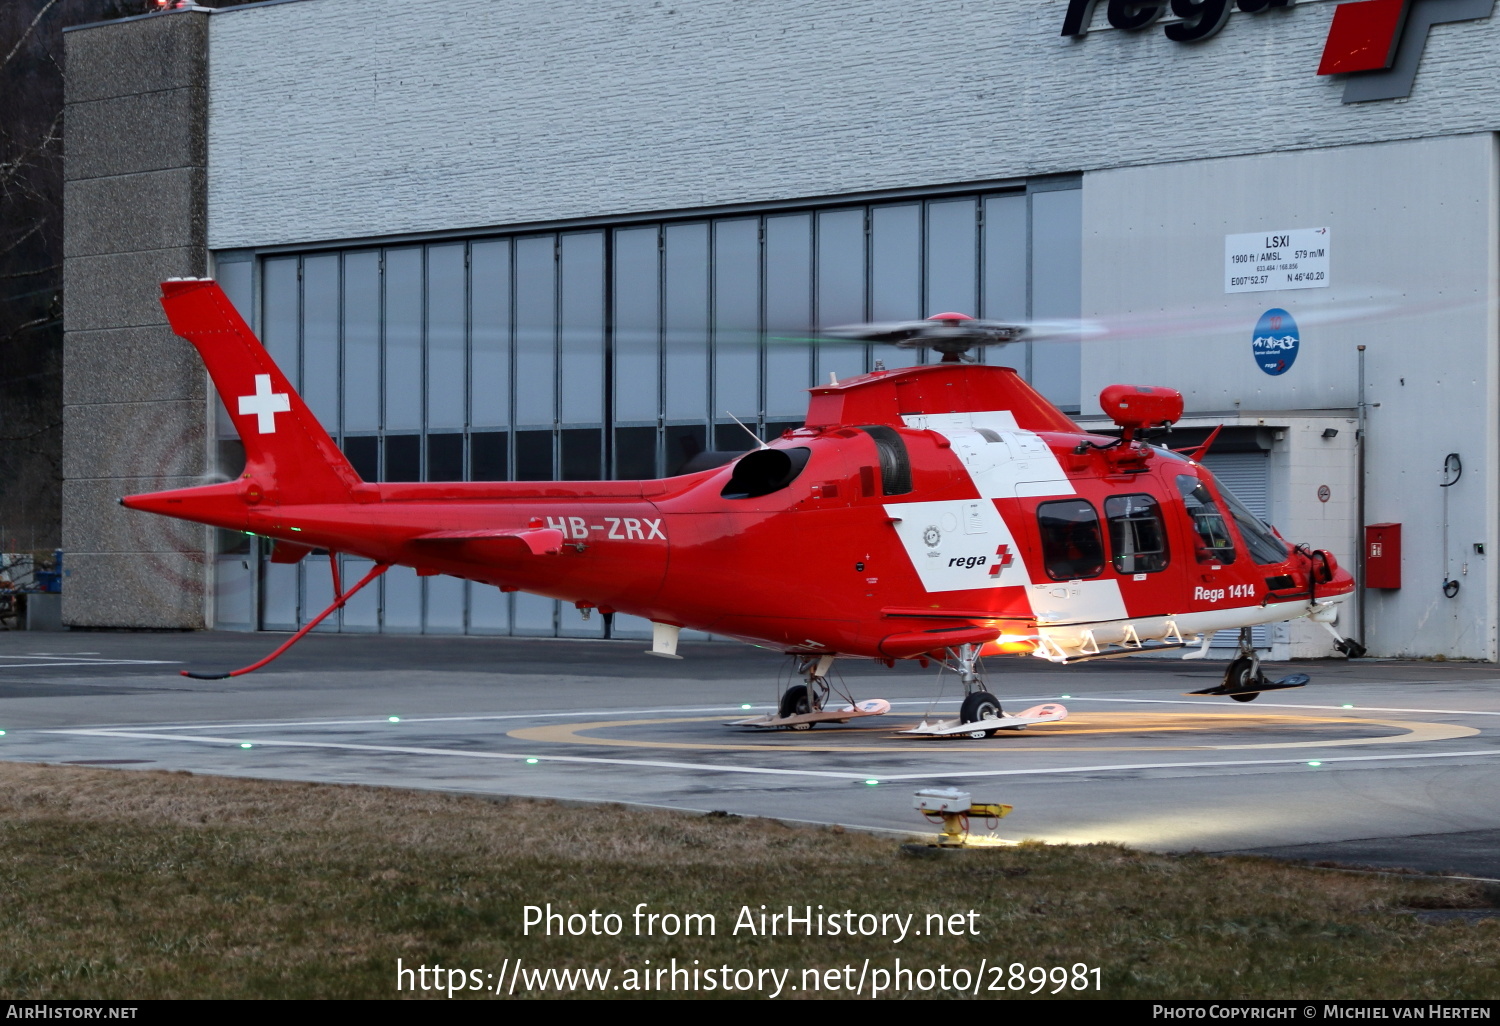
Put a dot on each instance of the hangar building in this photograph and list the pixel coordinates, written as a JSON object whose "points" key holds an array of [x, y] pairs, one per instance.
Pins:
{"points": [[528, 240]]}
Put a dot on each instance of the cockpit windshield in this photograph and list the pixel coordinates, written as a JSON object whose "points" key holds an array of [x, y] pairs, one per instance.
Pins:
{"points": [[1262, 542]]}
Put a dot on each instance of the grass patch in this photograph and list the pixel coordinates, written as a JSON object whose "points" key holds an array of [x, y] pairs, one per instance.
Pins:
{"points": [[120, 884]]}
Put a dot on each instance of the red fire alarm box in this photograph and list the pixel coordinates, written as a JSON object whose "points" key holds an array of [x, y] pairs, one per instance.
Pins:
{"points": [[1382, 555]]}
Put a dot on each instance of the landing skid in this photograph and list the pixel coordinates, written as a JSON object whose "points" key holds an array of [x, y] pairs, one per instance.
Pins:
{"points": [[1296, 680], [804, 721], [1049, 713], [1244, 681]]}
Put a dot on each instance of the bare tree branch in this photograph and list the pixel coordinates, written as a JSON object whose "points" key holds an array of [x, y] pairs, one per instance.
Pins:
{"points": [[39, 15], [39, 322], [30, 273], [29, 233]]}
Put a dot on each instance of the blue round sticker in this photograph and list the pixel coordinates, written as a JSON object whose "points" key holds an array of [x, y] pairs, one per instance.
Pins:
{"points": [[1275, 342]]}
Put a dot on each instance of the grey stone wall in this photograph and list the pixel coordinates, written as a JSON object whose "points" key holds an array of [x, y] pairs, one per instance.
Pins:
{"points": [[336, 119], [135, 411]]}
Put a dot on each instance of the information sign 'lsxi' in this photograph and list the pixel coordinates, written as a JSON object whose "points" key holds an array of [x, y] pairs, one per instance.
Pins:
{"points": [[1282, 259]]}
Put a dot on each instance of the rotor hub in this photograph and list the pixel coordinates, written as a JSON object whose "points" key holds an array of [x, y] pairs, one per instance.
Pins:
{"points": [[952, 334]]}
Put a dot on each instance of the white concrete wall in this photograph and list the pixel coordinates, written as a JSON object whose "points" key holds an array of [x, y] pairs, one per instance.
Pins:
{"points": [[1413, 271], [334, 119]]}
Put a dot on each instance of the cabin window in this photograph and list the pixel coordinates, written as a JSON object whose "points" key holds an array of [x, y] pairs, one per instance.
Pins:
{"points": [[895, 464], [1072, 544], [1137, 537], [763, 471], [1214, 545]]}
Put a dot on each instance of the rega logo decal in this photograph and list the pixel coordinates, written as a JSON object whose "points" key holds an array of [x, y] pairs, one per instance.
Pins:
{"points": [[1200, 18], [1377, 44]]}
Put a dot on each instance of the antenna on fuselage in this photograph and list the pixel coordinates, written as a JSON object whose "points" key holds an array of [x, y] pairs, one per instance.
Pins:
{"points": [[752, 434]]}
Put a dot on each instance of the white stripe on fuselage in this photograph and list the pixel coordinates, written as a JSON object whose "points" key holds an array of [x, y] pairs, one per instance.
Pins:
{"points": [[945, 541]]}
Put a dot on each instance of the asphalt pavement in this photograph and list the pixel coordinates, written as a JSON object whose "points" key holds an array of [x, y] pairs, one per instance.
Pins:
{"points": [[1383, 764]]}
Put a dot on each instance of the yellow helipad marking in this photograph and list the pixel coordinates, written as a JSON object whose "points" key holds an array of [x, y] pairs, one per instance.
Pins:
{"points": [[1080, 724]]}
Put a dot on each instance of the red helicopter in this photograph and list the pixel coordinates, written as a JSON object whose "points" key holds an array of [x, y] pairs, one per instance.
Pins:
{"points": [[945, 511]]}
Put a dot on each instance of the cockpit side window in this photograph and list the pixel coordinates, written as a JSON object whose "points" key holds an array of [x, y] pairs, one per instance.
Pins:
{"points": [[763, 471], [895, 464], [1072, 546], [1215, 545]]}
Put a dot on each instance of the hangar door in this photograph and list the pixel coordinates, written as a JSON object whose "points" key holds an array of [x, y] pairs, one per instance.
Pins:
{"points": [[610, 351]]}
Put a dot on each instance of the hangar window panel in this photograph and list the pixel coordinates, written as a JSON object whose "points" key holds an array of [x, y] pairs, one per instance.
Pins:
{"points": [[403, 458], [535, 615], [317, 593], [489, 456], [582, 454], [447, 314], [683, 442], [1072, 546], [582, 336], [363, 452], [731, 437], [489, 329], [536, 331], [489, 610], [841, 288], [637, 323], [896, 273], [736, 316], [534, 456], [635, 453], [361, 614], [402, 609], [403, 339], [788, 255], [278, 591], [283, 313], [443, 611], [320, 338], [361, 319], [1057, 290], [1007, 277], [685, 348], [445, 457], [952, 257]]}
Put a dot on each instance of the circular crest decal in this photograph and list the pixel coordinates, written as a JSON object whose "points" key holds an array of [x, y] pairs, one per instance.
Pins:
{"points": [[932, 536], [1275, 341]]}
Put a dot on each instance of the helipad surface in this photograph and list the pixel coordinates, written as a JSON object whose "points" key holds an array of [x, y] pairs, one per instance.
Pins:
{"points": [[1371, 750]]}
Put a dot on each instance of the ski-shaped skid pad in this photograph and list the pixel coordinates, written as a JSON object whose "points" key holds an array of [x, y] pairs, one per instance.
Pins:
{"points": [[1049, 713], [869, 707], [1296, 680]]}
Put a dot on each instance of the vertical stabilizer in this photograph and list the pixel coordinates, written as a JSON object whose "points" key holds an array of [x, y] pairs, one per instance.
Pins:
{"points": [[288, 455]]}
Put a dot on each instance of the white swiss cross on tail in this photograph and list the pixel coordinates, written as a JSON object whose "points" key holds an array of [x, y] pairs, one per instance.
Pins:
{"points": [[265, 404]]}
